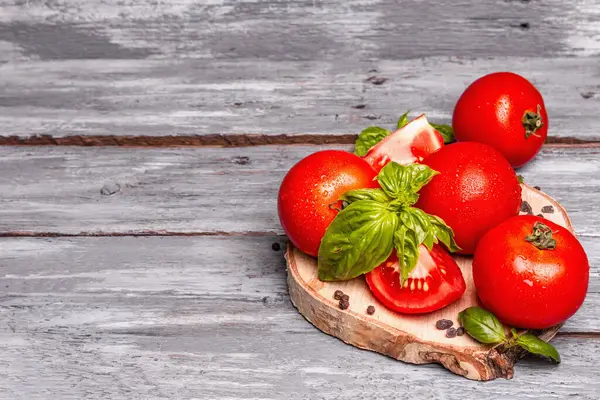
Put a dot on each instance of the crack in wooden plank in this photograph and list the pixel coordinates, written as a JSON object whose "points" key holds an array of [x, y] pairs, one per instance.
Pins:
{"points": [[141, 234], [216, 140], [579, 335], [27, 234]]}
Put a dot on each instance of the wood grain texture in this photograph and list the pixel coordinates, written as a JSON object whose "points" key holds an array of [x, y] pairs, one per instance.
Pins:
{"points": [[208, 191], [79, 71], [208, 98], [209, 318], [355, 29]]}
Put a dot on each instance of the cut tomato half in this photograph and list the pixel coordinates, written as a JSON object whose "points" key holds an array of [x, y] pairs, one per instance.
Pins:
{"points": [[435, 282], [407, 145]]}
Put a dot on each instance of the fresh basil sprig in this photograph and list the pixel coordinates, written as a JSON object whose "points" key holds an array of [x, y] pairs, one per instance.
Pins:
{"points": [[375, 221], [535, 345], [484, 327]]}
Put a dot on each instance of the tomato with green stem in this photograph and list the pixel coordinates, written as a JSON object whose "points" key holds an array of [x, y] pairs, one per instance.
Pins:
{"points": [[530, 272], [503, 110]]}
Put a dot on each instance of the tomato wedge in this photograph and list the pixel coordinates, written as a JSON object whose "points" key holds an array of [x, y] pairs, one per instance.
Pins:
{"points": [[407, 145], [435, 283]]}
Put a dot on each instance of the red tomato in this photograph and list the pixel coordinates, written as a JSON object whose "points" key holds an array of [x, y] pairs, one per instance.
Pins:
{"points": [[502, 109], [311, 186], [475, 190], [409, 144], [525, 285], [435, 282]]}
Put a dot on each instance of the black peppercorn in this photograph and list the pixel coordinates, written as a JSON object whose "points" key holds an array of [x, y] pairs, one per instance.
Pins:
{"points": [[443, 324], [450, 333], [526, 208]]}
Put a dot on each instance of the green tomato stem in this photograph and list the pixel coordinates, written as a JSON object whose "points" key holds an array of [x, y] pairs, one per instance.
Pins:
{"points": [[532, 121], [541, 237]]}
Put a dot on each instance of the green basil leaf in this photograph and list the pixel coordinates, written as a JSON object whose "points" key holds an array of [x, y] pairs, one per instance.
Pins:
{"points": [[422, 226], [359, 239], [369, 138], [407, 249], [535, 345], [403, 120], [520, 179], [365, 194], [421, 175], [402, 182], [444, 233], [446, 131], [482, 325]]}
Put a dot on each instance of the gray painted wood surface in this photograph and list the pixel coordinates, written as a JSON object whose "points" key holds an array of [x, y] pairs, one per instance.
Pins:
{"points": [[208, 318], [207, 315], [113, 68], [206, 190]]}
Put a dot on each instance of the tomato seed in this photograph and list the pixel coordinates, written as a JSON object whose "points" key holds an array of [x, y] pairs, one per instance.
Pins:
{"points": [[451, 332], [370, 310], [526, 208], [443, 324], [460, 331], [548, 209], [338, 294], [344, 304], [345, 297], [275, 246]]}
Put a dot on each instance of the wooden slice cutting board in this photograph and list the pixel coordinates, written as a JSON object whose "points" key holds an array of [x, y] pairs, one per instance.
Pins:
{"points": [[408, 338]]}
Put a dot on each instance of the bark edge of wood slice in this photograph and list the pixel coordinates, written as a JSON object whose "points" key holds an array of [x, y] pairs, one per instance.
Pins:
{"points": [[408, 338]]}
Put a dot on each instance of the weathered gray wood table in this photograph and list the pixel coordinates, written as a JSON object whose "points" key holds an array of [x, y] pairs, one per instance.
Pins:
{"points": [[142, 267]]}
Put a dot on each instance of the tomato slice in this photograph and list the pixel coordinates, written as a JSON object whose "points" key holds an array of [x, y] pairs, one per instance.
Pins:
{"points": [[435, 283], [409, 144]]}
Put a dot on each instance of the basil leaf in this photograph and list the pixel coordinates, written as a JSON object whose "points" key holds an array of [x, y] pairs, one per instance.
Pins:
{"points": [[421, 175], [482, 325], [403, 120], [359, 239], [444, 233], [369, 138], [535, 345], [407, 249], [520, 179], [365, 194], [422, 227], [446, 131], [402, 182]]}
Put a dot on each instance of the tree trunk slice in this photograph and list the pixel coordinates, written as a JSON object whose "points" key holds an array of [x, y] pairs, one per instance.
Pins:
{"points": [[410, 338]]}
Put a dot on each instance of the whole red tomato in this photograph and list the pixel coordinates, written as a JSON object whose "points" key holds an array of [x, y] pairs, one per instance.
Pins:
{"points": [[530, 272], [309, 192], [503, 110], [475, 190]]}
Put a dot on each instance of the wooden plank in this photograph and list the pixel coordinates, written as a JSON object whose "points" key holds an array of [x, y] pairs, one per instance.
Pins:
{"points": [[355, 29], [210, 318], [212, 102], [213, 274], [58, 190]]}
